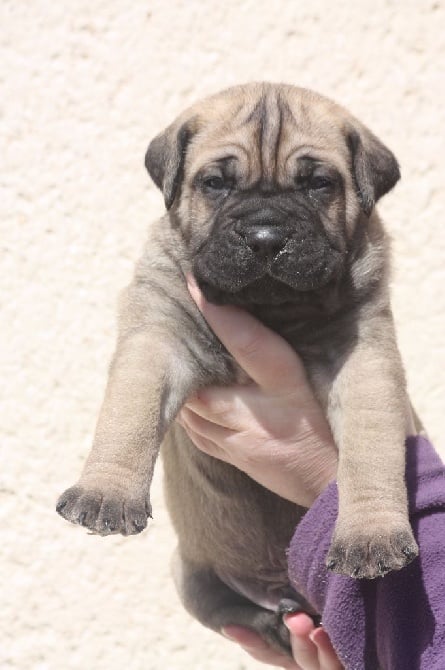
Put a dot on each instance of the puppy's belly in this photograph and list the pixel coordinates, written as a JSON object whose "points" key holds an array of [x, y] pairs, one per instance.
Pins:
{"points": [[226, 521]]}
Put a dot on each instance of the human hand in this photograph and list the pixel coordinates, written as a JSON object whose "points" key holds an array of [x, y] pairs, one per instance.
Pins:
{"points": [[272, 428], [311, 646]]}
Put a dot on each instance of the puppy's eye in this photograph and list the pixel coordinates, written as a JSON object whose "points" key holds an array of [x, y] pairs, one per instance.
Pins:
{"points": [[215, 183], [318, 183]]}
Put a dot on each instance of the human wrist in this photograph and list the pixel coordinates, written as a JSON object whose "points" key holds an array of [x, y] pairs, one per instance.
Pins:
{"points": [[322, 471], [325, 478]]}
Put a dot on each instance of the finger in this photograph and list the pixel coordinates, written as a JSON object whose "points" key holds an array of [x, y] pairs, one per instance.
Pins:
{"points": [[206, 428], [256, 647], [222, 405], [251, 344], [304, 650], [202, 443], [327, 656]]}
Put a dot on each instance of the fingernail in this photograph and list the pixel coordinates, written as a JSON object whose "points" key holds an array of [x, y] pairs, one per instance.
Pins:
{"points": [[229, 637], [191, 284], [195, 291], [286, 618], [190, 279]]}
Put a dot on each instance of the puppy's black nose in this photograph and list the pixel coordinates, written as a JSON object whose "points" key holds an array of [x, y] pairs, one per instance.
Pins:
{"points": [[263, 240]]}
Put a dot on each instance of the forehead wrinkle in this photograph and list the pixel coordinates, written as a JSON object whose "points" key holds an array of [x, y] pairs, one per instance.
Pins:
{"points": [[321, 153], [305, 151], [226, 152], [248, 123], [264, 131], [247, 116], [220, 140], [219, 153], [251, 125], [306, 127], [272, 126], [262, 122]]}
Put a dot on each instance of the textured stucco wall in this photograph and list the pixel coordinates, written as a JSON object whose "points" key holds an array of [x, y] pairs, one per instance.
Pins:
{"points": [[84, 85]]}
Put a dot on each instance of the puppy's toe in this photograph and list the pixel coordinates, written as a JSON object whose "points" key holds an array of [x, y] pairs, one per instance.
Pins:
{"points": [[136, 516], [80, 506]]}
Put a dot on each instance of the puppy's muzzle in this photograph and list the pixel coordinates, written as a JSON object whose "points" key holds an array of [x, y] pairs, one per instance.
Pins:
{"points": [[266, 251]]}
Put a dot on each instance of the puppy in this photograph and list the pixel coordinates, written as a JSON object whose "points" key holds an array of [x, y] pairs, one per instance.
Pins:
{"points": [[270, 193]]}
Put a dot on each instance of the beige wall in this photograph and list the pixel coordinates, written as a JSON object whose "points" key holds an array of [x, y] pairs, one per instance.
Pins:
{"points": [[85, 85]]}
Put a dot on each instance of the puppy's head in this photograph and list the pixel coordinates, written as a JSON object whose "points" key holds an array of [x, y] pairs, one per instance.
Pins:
{"points": [[269, 184]]}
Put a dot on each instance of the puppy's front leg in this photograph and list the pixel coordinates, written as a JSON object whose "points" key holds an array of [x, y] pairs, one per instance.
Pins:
{"points": [[112, 495], [369, 420]]}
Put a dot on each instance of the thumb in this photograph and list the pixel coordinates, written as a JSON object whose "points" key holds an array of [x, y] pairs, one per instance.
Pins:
{"points": [[265, 356]]}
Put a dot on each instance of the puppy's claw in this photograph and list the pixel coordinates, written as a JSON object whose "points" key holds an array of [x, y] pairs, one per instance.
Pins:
{"points": [[409, 552], [139, 525], [82, 518], [288, 606], [382, 568], [60, 505]]}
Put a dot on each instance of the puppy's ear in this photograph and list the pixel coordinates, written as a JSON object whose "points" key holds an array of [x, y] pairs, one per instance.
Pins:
{"points": [[375, 168], [165, 158]]}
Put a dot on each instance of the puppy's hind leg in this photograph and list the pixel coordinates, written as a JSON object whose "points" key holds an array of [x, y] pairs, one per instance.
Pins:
{"points": [[215, 605]]}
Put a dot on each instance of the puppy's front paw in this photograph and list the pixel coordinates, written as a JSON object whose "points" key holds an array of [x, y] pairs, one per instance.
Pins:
{"points": [[371, 554], [104, 512]]}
